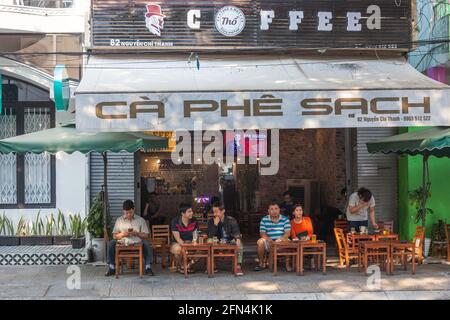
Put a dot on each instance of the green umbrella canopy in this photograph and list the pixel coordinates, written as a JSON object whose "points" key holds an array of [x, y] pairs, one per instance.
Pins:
{"points": [[429, 142], [67, 139]]}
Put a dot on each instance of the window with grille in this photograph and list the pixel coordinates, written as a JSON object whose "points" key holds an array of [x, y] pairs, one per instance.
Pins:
{"points": [[26, 180]]}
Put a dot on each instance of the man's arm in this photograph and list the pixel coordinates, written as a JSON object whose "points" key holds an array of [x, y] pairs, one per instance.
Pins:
{"points": [[355, 209], [264, 235], [176, 235], [285, 236], [262, 232], [372, 217], [145, 213], [142, 235], [120, 235]]}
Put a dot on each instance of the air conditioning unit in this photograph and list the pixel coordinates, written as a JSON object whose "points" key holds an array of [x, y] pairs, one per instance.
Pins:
{"points": [[307, 192]]}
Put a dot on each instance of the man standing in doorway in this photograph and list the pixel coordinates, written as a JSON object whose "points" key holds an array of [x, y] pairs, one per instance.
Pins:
{"points": [[361, 205], [287, 206], [152, 211]]}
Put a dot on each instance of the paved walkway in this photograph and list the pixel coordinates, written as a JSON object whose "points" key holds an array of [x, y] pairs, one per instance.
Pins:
{"points": [[50, 282]]}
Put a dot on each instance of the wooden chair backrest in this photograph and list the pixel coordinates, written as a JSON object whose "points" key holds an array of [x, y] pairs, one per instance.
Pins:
{"points": [[340, 238], [447, 232], [341, 224], [161, 232], [386, 225], [419, 236]]}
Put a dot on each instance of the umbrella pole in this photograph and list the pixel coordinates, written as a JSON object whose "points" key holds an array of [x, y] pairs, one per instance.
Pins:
{"points": [[425, 187], [105, 200]]}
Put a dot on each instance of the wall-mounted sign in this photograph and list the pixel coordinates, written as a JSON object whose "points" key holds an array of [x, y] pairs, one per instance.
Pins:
{"points": [[300, 24], [61, 88], [262, 110]]}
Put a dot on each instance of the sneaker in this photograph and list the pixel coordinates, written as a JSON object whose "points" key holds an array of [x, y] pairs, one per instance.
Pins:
{"points": [[239, 271], [259, 268], [149, 272], [110, 272]]}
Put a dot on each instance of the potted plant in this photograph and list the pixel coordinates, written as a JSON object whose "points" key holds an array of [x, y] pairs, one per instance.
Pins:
{"points": [[7, 237], [418, 199], [37, 236], [95, 228], [78, 229], [62, 236]]}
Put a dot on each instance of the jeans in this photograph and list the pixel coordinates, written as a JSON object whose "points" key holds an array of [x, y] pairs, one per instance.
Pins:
{"points": [[357, 224], [146, 248]]}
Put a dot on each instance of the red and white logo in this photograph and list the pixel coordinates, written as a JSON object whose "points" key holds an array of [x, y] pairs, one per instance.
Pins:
{"points": [[154, 19]]}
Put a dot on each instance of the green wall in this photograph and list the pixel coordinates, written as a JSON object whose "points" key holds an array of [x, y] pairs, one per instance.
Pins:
{"points": [[410, 177]]}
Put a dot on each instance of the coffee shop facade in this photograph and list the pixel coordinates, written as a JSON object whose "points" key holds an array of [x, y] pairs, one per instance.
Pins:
{"points": [[327, 75]]}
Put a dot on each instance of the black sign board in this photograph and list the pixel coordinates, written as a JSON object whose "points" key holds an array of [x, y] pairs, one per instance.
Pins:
{"points": [[252, 24]]}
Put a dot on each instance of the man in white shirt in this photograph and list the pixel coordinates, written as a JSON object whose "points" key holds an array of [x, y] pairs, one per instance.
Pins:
{"points": [[361, 205], [130, 229]]}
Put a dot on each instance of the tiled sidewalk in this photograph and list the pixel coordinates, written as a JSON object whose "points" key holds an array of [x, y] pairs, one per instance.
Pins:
{"points": [[50, 282]]}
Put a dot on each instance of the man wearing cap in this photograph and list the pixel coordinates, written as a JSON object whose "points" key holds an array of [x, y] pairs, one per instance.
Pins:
{"points": [[129, 229]]}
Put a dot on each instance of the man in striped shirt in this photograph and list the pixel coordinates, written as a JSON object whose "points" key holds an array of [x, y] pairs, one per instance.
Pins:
{"points": [[273, 227]]}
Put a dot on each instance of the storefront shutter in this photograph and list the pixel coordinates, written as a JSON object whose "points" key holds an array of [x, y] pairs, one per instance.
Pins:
{"points": [[121, 179], [378, 173]]}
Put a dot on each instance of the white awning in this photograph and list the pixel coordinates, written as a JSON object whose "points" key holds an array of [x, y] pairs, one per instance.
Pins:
{"points": [[133, 93]]}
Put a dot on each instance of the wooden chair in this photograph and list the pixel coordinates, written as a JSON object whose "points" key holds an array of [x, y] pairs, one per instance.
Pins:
{"points": [[345, 253], [341, 224], [160, 240], [279, 250], [386, 225], [128, 253], [418, 240], [447, 235]]}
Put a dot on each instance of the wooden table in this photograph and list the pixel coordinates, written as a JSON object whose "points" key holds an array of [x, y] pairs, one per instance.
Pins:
{"points": [[377, 249], [316, 248], [196, 250], [386, 237], [355, 238], [283, 248], [224, 250], [402, 249], [127, 252]]}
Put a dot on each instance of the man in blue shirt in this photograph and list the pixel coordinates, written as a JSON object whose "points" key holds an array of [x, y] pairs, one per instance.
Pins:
{"points": [[273, 227]]}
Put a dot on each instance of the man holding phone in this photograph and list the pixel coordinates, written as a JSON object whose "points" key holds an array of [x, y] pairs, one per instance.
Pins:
{"points": [[361, 204], [130, 229]]}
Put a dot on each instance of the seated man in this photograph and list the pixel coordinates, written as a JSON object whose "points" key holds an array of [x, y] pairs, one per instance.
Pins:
{"points": [[183, 228], [273, 227], [129, 229], [226, 228]]}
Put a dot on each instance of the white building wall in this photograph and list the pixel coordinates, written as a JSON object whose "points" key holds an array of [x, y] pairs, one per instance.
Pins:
{"points": [[71, 185]]}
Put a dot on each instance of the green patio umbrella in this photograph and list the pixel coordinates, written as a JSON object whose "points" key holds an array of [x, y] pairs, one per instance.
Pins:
{"points": [[429, 142], [66, 139]]}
